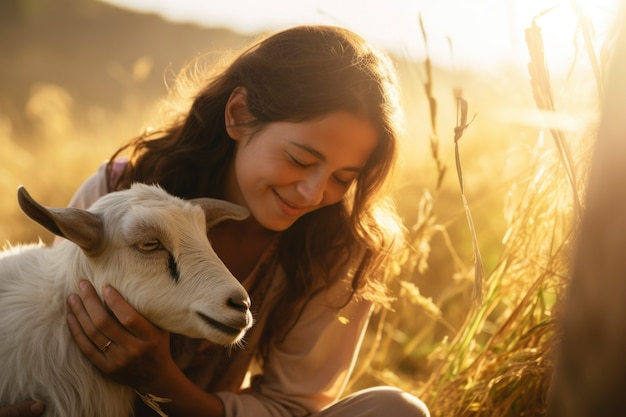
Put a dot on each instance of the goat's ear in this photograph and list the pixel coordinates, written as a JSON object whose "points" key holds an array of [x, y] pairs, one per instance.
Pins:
{"points": [[80, 226], [218, 210]]}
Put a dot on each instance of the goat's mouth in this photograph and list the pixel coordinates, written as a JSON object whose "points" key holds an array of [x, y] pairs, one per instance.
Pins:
{"points": [[229, 330]]}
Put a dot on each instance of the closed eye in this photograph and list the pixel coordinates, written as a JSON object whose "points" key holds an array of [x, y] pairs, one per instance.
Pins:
{"points": [[149, 245], [343, 183], [297, 162]]}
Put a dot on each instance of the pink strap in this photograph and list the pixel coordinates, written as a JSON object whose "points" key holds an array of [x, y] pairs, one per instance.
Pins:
{"points": [[117, 168]]}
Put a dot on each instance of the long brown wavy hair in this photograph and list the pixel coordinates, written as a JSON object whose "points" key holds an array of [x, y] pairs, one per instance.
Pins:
{"points": [[298, 74]]}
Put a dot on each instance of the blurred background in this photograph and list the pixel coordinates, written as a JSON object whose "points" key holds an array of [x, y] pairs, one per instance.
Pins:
{"points": [[78, 78]]}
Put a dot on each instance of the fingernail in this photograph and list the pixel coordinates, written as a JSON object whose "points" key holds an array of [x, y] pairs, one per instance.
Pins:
{"points": [[83, 285], [107, 291], [72, 299], [36, 408]]}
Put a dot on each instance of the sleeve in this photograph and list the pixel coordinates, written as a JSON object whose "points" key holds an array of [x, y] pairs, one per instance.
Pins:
{"points": [[89, 191], [311, 367]]}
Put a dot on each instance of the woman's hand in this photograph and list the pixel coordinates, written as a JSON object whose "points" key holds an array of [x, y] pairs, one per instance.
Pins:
{"points": [[25, 409], [119, 342]]}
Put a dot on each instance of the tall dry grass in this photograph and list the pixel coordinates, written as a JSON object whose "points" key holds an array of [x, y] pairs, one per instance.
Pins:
{"points": [[60, 152], [499, 360]]}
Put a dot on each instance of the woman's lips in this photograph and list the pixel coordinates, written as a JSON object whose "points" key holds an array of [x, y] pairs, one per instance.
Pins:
{"points": [[287, 208]]}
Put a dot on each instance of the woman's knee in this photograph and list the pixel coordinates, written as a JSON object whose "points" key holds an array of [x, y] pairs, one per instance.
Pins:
{"points": [[385, 402], [390, 398]]}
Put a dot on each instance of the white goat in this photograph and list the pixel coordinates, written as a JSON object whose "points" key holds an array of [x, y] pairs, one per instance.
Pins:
{"points": [[153, 248]]}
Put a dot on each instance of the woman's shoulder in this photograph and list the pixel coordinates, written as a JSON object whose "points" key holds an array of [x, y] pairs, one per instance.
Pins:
{"points": [[117, 169], [97, 185]]}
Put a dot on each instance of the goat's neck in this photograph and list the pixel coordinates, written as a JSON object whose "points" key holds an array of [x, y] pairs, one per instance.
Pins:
{"points": [[70, 265]]}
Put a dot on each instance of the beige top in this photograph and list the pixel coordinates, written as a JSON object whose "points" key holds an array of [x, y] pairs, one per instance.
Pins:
{"points": [[305, 372]]}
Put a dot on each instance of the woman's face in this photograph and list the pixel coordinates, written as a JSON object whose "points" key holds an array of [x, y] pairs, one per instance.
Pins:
{"points": [[289, 169]]}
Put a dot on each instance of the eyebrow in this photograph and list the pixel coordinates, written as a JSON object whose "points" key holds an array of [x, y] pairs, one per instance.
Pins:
{"points": [[321, 156]]}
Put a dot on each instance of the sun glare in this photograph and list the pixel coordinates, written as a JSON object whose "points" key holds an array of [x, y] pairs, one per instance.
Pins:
{"points": [[564, 24], [480, 33]]}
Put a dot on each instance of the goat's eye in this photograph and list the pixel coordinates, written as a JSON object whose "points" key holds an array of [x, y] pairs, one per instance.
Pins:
{"points": [[149, 245]]}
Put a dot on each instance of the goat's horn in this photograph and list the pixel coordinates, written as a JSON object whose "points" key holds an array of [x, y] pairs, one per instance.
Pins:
{"points": [[218, 210], [80, 226]]}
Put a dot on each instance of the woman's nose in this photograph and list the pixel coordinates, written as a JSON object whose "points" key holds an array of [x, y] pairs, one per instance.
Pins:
{"points": [[312, 189]]}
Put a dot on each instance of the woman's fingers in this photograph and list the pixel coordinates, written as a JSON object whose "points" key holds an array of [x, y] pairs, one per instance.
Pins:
{"points": [[127, 316], [25, 409], [96, 310], [117, 340], [84, 342], [89, 322], [145, 344]]}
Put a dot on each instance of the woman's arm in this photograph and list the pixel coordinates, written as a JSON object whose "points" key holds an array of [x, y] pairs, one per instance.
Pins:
{"points": [[138, 355], [310, 368]]}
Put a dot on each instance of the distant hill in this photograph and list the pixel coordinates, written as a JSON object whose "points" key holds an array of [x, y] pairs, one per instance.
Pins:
{"points": [[88, 48]]}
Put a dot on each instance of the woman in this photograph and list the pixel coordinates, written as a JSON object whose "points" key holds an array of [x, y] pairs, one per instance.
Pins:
{"points": [[301, 129]]}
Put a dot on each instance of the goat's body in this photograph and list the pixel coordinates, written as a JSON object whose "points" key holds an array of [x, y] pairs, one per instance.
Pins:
{"points": [[37, 350], [150, 246]]}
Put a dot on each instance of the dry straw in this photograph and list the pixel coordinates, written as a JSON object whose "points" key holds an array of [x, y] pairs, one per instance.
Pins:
{"points": [[499, 361]]}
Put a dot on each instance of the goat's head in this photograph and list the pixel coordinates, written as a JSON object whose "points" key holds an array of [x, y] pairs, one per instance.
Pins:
{"points": [[153, 248]]}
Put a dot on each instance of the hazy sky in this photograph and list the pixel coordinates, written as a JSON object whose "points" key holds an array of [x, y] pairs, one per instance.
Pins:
{"points": [[482, 32]]}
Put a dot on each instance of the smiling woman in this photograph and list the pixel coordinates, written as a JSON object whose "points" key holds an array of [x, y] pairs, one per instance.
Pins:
{"points": [[310, 157], [322, 157]]}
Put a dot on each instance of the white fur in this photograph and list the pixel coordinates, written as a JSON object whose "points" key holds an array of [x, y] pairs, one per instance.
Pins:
{"points": [[38, 358]]}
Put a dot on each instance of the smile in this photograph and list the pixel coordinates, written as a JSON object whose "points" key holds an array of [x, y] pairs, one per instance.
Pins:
{"points": [[287, 208]]}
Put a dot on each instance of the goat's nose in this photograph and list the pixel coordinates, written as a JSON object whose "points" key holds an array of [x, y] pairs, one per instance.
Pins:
{"points": [[239, 301]]}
